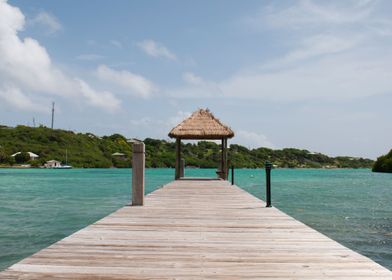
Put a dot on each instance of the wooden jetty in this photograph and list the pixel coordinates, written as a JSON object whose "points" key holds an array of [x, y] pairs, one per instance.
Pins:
{"points": [[197, 229]]}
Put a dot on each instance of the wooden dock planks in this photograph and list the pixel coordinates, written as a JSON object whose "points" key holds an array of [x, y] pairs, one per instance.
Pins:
{"points": [[197, 230]]}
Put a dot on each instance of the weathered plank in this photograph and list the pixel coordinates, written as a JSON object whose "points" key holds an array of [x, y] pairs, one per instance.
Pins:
{"points": [[197, 230]]}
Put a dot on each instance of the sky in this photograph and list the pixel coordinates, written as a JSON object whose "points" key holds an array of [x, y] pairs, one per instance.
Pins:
{"points": [[314, 75]]}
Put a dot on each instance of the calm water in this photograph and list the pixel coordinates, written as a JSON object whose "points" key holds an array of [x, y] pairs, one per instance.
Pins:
{"points": [[39, 207]]}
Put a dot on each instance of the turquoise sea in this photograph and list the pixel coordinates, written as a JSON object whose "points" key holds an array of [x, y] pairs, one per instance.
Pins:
{"points": [[39, 207]]}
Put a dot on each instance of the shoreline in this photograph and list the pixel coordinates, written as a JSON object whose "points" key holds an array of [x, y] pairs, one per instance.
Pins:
{"points": [[244, 168]]}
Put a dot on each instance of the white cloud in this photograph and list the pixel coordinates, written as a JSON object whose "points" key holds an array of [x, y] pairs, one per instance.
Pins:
{"points": [[318, 45], [26, 67], [337, 57], [50, 22], [136, 84], [336, 17], [156, 127], [341, 77], [192, 79], [25, 62], [252, 139], [307, 13], [196, 87], [335, 51], [89, 57], [15, 98], [337, 76], [104, 99], [116, 43], [156, 49], [179, 117], [165, 124], [145, 121]]}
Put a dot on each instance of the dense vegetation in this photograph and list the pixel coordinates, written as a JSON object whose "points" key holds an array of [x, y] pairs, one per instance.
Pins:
{"points": [[84, 149], [88, 150], [383, 163]]}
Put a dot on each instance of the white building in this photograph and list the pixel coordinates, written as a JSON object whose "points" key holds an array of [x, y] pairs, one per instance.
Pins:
{"points": [[32, 155], [52, 164]]}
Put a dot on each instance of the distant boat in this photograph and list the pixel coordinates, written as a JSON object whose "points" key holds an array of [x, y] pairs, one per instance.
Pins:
{"points": [[63, 167], [55, 164]]}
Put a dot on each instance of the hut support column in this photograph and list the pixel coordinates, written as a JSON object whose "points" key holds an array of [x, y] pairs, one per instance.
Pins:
{"points": [[178, 159], [225, 170], [224, 159], [221, 164]]}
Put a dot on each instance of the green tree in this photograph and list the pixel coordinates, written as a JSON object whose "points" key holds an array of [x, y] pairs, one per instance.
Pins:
{"points": [[23, 157], [4, 158], [89, 150], [383, 163]]}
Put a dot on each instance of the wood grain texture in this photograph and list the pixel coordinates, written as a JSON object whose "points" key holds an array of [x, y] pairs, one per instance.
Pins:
{"points": [[138, 166], [197, 230]]}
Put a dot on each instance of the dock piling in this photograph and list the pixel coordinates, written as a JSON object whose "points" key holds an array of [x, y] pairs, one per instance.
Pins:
{"points": [[138, 165]]}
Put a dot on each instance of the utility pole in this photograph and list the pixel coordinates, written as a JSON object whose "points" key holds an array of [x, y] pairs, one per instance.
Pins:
{"points": [[52, 114], [33, 122]]}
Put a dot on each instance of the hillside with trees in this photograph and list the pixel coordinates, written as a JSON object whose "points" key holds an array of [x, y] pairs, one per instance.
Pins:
{"points": [[90, 151], [383, 163]]}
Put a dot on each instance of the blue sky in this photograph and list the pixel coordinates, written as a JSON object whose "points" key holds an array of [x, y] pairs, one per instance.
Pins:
{"points": [[308, 74]]}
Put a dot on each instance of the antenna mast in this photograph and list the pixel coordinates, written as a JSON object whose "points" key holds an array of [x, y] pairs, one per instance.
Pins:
{"points": [[52, 114]]}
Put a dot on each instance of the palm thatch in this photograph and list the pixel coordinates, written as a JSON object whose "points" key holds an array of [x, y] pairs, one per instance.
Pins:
{"points": [[201, 125]]}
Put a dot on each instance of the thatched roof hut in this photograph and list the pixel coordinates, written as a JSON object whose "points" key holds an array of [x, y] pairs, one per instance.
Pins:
{"points": [[202, 124]]}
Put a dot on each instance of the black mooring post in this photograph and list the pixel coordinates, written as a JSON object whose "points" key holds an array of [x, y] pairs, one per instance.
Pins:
{"points": [[268, 167], [232, 175]]}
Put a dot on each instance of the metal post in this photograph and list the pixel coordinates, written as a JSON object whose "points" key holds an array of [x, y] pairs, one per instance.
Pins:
{"points": [[138, 163], [268, 167], [52, 115], [232, 174]]}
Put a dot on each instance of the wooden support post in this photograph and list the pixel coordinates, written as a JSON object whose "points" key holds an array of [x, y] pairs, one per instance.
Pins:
{"points": [[224, 167], [138, 164], [182, 166], [178, 158]]}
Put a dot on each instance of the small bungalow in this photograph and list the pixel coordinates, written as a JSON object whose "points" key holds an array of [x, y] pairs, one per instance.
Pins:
{"points": [[32, 155], [52, 164]]}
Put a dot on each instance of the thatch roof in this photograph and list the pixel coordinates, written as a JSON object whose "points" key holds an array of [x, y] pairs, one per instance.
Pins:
{"points": [[201, 125]]}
